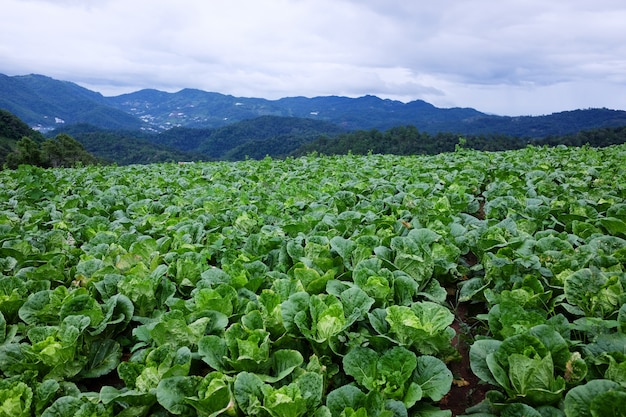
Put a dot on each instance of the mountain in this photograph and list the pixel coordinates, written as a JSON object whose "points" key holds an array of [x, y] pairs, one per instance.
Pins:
{"points": [[46, 103], [196, 108]]}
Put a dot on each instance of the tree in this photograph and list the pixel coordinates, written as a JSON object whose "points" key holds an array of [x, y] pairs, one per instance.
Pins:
{"points": [[62, 151], [65, 151], [26, 152]]}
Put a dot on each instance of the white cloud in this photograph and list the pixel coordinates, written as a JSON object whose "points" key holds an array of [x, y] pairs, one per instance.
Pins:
{"points": [[505, 57]]}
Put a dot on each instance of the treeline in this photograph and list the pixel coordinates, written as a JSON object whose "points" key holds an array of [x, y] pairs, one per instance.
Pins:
{"points": [[255, 138], [62, 151], [19, 145], [13, 129], [277, 137], [126, 147], [408, 140]]}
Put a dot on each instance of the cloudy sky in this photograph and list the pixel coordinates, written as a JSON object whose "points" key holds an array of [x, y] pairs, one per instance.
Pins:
{"points": [[508, 57]]}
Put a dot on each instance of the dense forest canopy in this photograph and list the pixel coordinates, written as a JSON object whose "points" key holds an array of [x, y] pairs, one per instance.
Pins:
{"points": [[19, 144], [273, 136], [279, 137], [12, 129], [408, 140]]}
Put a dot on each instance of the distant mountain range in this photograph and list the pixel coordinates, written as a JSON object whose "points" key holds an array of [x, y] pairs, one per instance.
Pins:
{"points": [[45, 104]]}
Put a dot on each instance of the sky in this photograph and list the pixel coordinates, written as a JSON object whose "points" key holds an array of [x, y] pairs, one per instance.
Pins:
{"points": [[506, 57]]}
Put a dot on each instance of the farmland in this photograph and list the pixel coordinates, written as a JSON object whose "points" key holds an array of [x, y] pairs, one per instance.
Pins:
{"points": [[317, 286]]}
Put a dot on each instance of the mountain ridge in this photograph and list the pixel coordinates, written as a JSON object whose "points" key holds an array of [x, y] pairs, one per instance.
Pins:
{"points": [[45, 104]]}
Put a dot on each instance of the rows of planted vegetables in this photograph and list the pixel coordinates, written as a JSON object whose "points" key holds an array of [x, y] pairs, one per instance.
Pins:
{"points": [[317, 286]]}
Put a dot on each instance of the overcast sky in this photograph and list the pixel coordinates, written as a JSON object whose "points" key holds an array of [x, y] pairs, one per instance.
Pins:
{"points": [[508, 57]]}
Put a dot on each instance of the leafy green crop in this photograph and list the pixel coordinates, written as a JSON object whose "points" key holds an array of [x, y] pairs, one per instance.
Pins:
{"points": [[317, 286]]}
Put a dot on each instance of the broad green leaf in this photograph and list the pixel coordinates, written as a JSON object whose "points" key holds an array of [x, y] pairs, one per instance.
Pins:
{"points": [[396, 365], [347, 396], [297, 303], [597, 293], [133, 398], [613, 226], [173, 329], [423, 325], [524, 344], [69, 406], [361, 363], [356, 304], [580, 400], [499, 373], [104, 356], [418, 266], [345, 248], [220, 299], [554, 342], [43, 307], [433, 376], [284, 362], [424, 410], [520, 409], [13, 294], [214, 351], [609, 404], [311, 385], [249, 392], [214, 396], [172, 393], [118, 311]]}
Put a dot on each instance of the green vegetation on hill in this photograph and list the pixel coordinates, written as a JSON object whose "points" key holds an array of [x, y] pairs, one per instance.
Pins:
{"points": [[408, 140], [279, 137], [62, 151], [12, 129], [19, 144], [127, 147], [276, 137], [44, 101], [255, 138], [50, 103]]}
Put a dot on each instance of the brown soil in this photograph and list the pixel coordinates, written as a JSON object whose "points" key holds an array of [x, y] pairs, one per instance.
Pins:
{"points": [[467, 389], [480, 214]]}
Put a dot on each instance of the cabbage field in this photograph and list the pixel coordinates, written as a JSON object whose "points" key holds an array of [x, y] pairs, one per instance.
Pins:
{"points": [[467, 283]]}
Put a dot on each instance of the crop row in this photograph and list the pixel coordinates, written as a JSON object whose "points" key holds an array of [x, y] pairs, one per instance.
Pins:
{"points": [[316, 286]]}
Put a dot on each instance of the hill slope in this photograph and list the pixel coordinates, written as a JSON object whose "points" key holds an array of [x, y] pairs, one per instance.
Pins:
{"points": [[125, 147], [43, 101], [196, 108], [255, 138], [12, 129]]}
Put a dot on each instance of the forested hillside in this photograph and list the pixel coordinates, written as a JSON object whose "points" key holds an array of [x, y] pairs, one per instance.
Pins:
{"points": [[272, 136], [45, 102], [12, 129], [407, 140], [126, 147], [255, 138], [19, 144]]}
